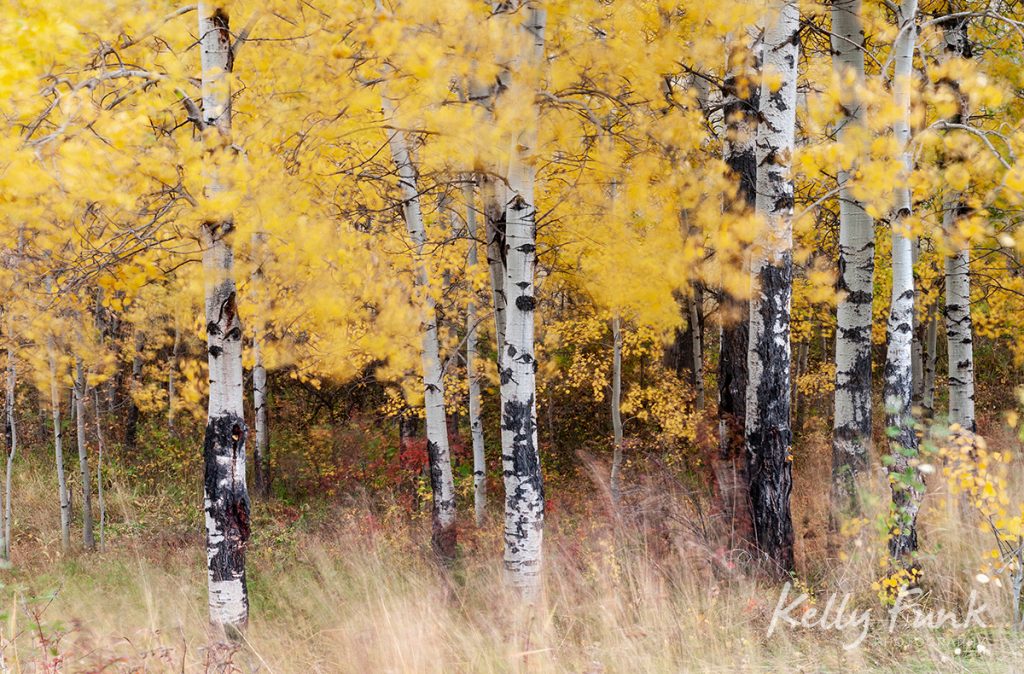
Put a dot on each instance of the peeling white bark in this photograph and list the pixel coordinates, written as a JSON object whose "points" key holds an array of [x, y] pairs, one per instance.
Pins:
{"points": [[768, 432], [851, 439], [524, 490], [442, 483], [225, 497]]}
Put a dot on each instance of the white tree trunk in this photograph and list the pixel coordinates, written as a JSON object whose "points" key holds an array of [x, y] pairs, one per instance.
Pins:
{"points": [[851, 439], [768, 432], [88, 537], [58, 446], [520, 457], [931, 357], [12, 443], [476, 426], [442, 483], [259, 401], [693, 308], [226, 498], [172, 371], [616, 474], [898, 362], [493, 199], [959, 328], [960, 340], [101, 503]]}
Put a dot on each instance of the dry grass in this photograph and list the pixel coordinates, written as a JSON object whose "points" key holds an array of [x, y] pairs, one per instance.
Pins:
{"points": [[345, 591]]}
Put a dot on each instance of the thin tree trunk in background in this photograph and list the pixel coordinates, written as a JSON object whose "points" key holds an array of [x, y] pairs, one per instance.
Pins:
{"points": [[742, 90], [259, 401], [88, 537], [959, 325], [693, 306], [12, 440], [917, 345], [58, 447], [799, 370], [960, 340], [768, 433], [931, 357], [225, 496], [172, 371], [520, 456], [616, 476], [491, 193], [851, 437], [101, 503], [442, 483], [898, 362], [131, 431], [476, 425]]}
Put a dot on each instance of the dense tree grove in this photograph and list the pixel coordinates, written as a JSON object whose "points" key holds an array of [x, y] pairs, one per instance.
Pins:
{"points": [[468, 256]]}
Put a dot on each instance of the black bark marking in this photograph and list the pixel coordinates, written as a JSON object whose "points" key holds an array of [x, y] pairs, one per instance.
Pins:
{"points": [[215, 351], [525, 303], [228, 499], [212, 329], [525, 460], [221, 21], [769, 443]]}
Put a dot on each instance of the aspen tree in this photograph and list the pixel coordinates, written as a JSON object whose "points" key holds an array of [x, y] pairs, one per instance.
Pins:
{"points": [[851, 437], [442, 483], [898, 390], [226, 499], [768, 432], [524, 490]]}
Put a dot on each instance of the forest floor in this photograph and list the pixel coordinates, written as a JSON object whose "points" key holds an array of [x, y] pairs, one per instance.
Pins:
{"points": [[351, 587]]}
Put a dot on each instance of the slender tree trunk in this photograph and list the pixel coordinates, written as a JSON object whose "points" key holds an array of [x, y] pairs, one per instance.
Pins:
{"points": [[131, 432], [800, 369], [88, 538], [491, 193], [58, 448], [12, 441], [959, 327], [917, 343], [442, 483], [960, 340], [225, 496], [742, 85], [851, 437], [172, 371], [693, 306], [524, 489], [476, 426], [616, 477], [931, 343], [768, 433], [898, 366], [259, 400], [101, 503]]}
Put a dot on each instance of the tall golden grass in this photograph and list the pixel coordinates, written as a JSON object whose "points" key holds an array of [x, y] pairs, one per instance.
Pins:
{"points": [[354, 589]]}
